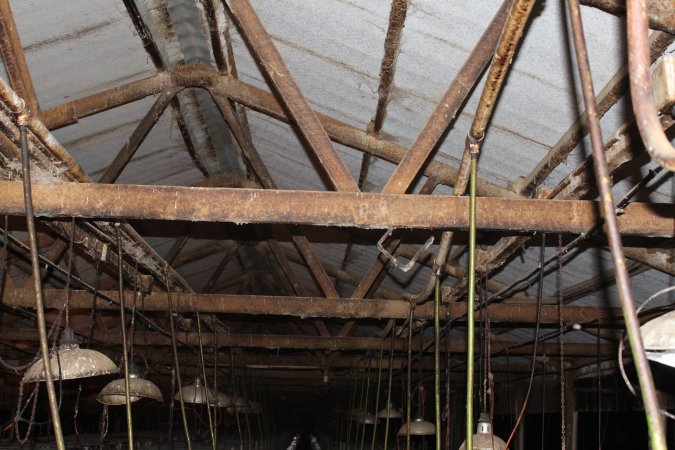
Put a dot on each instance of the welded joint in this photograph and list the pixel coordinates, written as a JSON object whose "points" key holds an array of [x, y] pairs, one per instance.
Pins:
{"points": [[396, 263]]}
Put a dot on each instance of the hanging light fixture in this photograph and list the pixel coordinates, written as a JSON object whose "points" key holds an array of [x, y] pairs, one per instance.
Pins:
{"points": [[367, 418], [196, 393], [658, 337], [222, 400], [69, 362], [391, 411], [484, 437], [139, 388], [418, 427]]}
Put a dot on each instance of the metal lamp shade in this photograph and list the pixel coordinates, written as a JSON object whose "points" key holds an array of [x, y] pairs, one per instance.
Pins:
{"points": [[418, 427], [484, 439], [114, 393], [393, 412], [70, 362], [196, 393], [658, 336], [367, 418]]}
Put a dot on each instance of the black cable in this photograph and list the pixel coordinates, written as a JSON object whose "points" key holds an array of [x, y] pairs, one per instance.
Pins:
{"points": [[540, 295]]}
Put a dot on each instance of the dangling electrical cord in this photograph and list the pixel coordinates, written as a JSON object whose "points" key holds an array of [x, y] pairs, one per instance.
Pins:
{"points": [[377, 392], [186, 429], [206, 383], [37, 283], [391, 376], [125, 356], [408, 387], [471, 301], [437, 359], [651, 405], [540, 295], [235, 400]]}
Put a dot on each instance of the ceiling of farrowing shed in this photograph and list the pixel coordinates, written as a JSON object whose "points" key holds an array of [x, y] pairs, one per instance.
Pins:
{"points": [[334, 50]]}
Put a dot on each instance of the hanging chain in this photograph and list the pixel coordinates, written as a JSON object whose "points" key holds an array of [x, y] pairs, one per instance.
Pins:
{"points": [[19, 412], [563, 431], [71, 257]]}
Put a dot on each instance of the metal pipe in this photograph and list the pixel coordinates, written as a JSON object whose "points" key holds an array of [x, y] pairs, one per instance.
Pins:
{"points": [[437, 361], [654, 423], [176, 366], [125, 356], [376, 409], [37, 285], [470, 301], [655, 140], [391, 376], [206, 383], [408, 389]]}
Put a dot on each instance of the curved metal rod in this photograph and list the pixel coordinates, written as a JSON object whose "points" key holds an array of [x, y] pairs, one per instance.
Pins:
{"points": [[655, 139], [654, 424]]}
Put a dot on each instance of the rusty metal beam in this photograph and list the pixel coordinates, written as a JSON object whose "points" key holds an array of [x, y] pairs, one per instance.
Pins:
{"points": [[615, 88], [15, 60], [258, 100], [139, 134], [447, 108], [319, 307], [660, 12], [365, 210], [295, 102], [267, 341]]}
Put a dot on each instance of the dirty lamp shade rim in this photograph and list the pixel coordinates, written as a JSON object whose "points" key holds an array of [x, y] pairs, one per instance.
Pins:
{"points": [[114, 393], [418, 427], [70, 362], [394, 413], [196, 393], [658, 336]]}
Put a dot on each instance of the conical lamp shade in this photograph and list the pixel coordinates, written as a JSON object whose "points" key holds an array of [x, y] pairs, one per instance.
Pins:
{"points": [[484, 438], [394, 413], [367, 418], [73, 362], [196, 393], [114, 393], [658, 336], [418, 427]]}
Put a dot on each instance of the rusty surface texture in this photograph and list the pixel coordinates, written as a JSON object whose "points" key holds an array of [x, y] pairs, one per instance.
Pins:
{"points": [[447, 108], [294, 101], [267, 341], [340, 209], [14, 59], [316, 307], [660, 12], [656, 142]]}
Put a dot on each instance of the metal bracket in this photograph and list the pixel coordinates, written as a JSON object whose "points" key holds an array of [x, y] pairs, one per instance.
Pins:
{"points": [[397, 264]]}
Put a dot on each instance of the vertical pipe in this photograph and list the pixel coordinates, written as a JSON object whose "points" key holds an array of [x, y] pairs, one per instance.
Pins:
{"points": [[377, 393], [186, 429], [37, 284], [470, 301], [125, 355], [206, 382], [647, 388], [437, 359], [408, 387], [391, 376]]}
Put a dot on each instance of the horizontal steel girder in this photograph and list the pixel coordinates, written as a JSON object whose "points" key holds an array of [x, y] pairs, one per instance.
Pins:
{"points": [[365, 210], [312, 307]]}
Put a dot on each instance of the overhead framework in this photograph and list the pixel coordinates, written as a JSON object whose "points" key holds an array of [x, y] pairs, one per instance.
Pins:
{"points": [[255, 152]]}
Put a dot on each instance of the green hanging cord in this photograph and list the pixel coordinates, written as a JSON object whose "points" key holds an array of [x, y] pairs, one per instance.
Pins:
{"points": [[437, 360], [364, 405], [206, 382], [186, 429], [470, 302], [125, 356], [377, 394], [234, 398], [349, 412], [408, 409], [391, 376]]}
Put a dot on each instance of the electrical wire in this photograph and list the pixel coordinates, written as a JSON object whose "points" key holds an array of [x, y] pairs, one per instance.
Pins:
{"points": [[540, 295]]}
